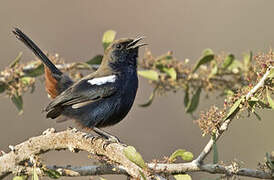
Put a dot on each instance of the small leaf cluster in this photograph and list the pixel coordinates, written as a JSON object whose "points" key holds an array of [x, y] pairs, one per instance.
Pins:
{"points": [[18, 78], [185, 155], [270, 161], [212, 72], [210, 121]]}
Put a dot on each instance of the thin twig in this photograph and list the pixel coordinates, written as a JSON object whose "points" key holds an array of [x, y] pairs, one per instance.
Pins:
{"points": [[259, 84], [76, 171], [181, 168], [209, 145], [159, 168], [207, 149]]}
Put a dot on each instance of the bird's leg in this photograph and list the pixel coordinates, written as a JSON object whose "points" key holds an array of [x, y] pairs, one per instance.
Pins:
{"points": [[106, 135]]}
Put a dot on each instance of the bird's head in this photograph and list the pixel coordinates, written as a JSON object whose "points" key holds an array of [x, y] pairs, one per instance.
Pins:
{"points": [[122, 53]]}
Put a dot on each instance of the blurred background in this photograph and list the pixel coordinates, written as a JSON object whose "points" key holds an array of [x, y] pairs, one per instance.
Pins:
{"points": [[74, 30]]}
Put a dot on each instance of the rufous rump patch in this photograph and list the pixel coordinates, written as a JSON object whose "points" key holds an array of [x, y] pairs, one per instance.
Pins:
{"points": [[51, 83]]}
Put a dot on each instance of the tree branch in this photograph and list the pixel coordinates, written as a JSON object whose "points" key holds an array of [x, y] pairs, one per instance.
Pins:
{"points": [[72, 140], [259, 84], [75, 141], [207, 149], [181, 168], [74, 171]]}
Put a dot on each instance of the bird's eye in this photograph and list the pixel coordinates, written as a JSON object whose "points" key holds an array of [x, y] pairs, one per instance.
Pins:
{"points": [[118, 46]]}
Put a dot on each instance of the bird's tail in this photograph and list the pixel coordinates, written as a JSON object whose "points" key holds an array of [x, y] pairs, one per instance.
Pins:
{"points": [[56, 82], [37, 51]]}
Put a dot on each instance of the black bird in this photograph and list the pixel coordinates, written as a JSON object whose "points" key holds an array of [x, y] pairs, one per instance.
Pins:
{"points": [[100, 99]]}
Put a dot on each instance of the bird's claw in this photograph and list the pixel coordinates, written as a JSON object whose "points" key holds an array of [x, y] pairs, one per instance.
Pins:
{"points": [[94, 138], [88, 136], [110, 140]]}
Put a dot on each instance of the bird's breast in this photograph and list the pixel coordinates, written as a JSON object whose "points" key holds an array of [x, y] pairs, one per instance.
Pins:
{"points": [[123, 100]]}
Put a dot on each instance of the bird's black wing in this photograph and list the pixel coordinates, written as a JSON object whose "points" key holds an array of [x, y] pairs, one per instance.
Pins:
{"points": [[83, 92]]}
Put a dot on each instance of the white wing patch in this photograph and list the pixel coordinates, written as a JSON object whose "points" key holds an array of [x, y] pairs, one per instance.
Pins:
{"points": [[102, 80]]}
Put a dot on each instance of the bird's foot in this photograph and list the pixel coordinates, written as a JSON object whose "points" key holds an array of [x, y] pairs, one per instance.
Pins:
{"points": [[110, 138], [90, 136]]}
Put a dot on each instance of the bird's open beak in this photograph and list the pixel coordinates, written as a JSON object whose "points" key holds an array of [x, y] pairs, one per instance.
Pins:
{"points": [[134, 44]]}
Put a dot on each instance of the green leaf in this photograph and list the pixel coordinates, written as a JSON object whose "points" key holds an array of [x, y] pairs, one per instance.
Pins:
{"points": [[271, 74], [215, 150], [171, 72], [208, 51], [194, 102], [52, 173], [18, 102], [235, 66], [149, 74], [214, 70], [234, 108], [269, 99], [135, 157], [27, 80], [228, 61], [208, 56], [150, 99], [142, 175], [159, 66], [108, 38], [269, 161], [203, 60], [16, 60], [34, 175], [19, 178], [257, 116], [228, 92], [34, 69], [182, 177], [174, 155], [2, 87], [186, 98], [185, 155], [247, 60], [252, 102], [253, 99], [95, 60]]}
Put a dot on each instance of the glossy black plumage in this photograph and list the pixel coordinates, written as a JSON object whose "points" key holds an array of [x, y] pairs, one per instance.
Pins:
{"points": [[102, 98]]}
